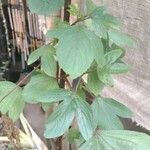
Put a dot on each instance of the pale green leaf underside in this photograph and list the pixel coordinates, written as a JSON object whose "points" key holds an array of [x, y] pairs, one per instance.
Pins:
{"points": [[45, 7], [13, 104], [118, 140]]}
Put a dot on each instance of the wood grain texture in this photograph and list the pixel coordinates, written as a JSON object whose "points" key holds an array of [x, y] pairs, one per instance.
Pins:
{"points": [[133, 89]]}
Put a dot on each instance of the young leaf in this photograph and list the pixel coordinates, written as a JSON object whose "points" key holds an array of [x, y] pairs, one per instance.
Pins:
{"points": [[90, 6], [76, 49], [84, 118], [118, 68], [117, 140], [105, 117], [48, 63], [112, 56], [94, 84], [38, 86], [105, 77], [12, 104], [97, 26], [74, 10], [45, 7], [120, 39], [100, 22], [60, 120], [73, 135], [111, 109], [119, 109], [98, 52]]}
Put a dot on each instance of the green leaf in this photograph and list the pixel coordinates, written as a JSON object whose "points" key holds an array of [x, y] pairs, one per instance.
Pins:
{"points": [[74, 10], [118, 68], [48, 63], [60, 120], [76, 49], [58, 24], [94, 84], [90, 6], [45, 7], [98, 52], [97, 26], [40, 85], [81, 93], [107, 20], [100, 21], [105, 77], [73, 135], [119, 109], [120, 39], [105, 117], [84, 118], [98, 12], [117, 140], [13, 104], [55, 95], [113, 55]]}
